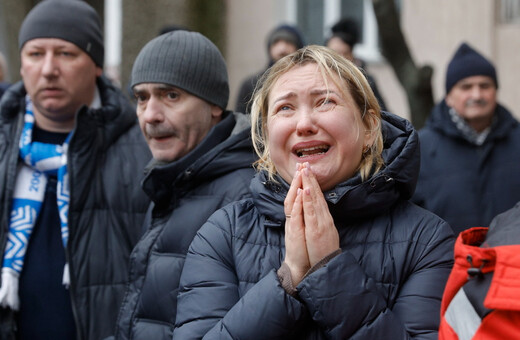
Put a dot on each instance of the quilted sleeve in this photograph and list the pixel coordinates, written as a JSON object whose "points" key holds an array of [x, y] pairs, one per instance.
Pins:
{"points": [[347, 304], [209, 303]]}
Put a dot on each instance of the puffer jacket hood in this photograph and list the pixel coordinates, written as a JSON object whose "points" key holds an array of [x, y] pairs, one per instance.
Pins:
{"points": [[10, 102], [354, 198]]}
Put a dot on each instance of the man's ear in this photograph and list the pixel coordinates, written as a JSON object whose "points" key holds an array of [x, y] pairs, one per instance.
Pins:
{"points": [[216, 112], [449, 100]]}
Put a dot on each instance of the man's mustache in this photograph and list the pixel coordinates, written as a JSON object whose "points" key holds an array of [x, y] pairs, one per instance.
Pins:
{"points": [[158, 131], [476, 102]]}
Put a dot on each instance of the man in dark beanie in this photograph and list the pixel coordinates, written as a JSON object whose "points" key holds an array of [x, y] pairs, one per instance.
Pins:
{"points": [[202, 160], [344, 36], [281, 41], [71, 157], [469, 147]]}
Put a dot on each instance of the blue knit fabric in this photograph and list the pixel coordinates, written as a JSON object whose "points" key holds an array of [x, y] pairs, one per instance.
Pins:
{"points": [[40, 160], [466, 63]]}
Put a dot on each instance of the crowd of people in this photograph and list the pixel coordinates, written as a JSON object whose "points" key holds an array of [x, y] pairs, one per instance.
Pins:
{"points": [[309, 212]]}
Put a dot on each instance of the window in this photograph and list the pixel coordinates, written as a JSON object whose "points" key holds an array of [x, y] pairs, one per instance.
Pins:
{"points": [[310, 20], [316, 17], [509, 11], [363, 13]]}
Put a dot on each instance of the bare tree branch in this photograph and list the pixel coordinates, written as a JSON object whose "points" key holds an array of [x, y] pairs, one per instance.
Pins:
{"points": [[416, 81]]}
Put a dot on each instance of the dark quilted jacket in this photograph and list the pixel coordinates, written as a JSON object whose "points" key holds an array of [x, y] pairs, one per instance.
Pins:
{"points": [[184, 194], [386, 284], [465, 184]]}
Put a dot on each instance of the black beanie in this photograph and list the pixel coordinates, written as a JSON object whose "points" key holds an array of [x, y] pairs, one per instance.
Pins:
{"points": [[187, 60], [286, 33], [72, 20], [466, 63]]}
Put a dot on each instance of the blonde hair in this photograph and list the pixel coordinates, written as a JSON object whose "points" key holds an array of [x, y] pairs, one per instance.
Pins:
{"points": [[346, 76]]}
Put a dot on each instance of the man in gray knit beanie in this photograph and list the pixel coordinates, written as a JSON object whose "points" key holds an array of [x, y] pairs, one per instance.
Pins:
{"points": [[191, 65], [202, 161], [187, 60], [73, 21]]}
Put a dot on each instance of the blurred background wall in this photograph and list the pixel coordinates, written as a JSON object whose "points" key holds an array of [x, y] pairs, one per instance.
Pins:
{"points": [[433, 30]]}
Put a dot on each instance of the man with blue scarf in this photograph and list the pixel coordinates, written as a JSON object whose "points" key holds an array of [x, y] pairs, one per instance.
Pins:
{"points": [[71, 157]]}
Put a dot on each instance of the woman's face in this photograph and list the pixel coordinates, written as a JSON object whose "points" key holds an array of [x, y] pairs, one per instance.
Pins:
{"points": [[309, 121]]}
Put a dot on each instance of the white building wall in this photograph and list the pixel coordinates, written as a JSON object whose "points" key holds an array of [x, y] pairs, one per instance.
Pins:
{"points": [[433, 29], [248, 25], [508, 64]]}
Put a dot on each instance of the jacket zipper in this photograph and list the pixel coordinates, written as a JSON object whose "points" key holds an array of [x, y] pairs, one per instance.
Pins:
{"points": [[72, 291]]}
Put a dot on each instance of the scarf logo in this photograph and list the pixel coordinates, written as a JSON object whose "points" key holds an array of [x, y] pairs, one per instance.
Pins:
{"points": [[39, 161]]}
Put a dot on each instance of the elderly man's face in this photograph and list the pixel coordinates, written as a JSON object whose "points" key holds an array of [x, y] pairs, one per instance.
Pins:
{"points": [[60, 78], [474, 99], [172, 120]]}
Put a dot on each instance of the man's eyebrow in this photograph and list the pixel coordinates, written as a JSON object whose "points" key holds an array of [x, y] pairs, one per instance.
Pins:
{"points": [[138, 90]]}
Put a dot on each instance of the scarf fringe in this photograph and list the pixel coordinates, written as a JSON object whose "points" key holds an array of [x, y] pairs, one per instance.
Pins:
{"points": [[66, 276], [9, 290]]}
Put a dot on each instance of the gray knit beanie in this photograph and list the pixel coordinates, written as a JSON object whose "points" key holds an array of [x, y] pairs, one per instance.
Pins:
{"points": [[187, 60], [72, 20]]}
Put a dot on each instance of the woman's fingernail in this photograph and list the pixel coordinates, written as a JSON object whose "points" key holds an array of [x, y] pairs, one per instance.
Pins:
{"points": [[298, 191]]}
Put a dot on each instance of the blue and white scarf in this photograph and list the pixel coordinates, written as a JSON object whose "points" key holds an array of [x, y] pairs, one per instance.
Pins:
{"points": [[39, 161]]}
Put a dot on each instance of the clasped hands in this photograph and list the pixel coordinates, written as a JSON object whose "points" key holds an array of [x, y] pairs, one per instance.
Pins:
{"points": [[310, 233]]}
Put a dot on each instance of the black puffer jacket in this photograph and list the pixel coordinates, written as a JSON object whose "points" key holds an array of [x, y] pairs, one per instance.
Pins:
{"points": [[106, 158], [184, 194], [386, 284], [465, 184]]}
